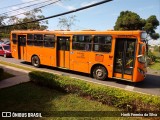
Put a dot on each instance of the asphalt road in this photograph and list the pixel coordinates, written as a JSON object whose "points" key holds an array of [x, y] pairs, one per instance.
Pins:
{"points": [[151, 84]]}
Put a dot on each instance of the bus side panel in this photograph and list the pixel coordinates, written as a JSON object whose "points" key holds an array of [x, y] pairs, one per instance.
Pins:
{"points": [[22, 52], [14, 46], [46, 55], [80, 61], [61, 59], [25, 53], [103, 59], [14, 50], [67, 59], [49, 56], [28, 53]]}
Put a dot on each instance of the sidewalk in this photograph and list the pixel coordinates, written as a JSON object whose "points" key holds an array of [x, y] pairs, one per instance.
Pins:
{"points": [[153, 72], [21, 76]]}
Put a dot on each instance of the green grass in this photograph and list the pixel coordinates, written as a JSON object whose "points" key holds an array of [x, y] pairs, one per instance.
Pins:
{"points": [[5, 75], [157, 54], [155, 66], [30, 97], [17, 66]]}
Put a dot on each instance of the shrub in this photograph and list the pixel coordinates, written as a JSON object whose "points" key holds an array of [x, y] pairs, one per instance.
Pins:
{"points": [[126, 100], [152, 57]]}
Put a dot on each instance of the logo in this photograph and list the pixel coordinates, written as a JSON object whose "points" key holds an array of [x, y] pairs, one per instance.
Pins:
{"points": [[21, 114], [6, 114]]}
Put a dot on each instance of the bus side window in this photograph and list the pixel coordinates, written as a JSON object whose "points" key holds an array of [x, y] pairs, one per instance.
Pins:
{"points": [[14, 38], [82, 42], [49, 41], [30, 40], [38, 40], [102, 43]]}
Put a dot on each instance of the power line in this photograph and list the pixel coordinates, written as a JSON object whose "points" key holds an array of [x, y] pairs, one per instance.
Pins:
{"points": [[34, 9], [18, 4], [61, 14], [24, 7]]}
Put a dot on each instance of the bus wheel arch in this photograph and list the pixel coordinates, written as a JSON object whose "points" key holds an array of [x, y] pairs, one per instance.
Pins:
{"points": [[99, 71], [35, 61]]}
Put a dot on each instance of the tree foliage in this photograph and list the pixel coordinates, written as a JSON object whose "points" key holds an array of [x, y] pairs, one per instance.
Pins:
{"points": [[2, 20], [129, 21], [66, 23], [29, 16], [132, 21]]}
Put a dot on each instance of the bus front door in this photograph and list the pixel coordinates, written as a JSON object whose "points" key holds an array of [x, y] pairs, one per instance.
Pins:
{"points": [[63, 52], [124, 58], [22, 47]]}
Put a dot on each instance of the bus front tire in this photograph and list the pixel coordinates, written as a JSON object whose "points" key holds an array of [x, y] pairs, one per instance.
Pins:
{"points": [[35, 61], [100, 73]]}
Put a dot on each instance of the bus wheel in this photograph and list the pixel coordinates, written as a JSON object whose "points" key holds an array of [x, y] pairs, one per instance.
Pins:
{"points": [[35, 61], [100, 73]]}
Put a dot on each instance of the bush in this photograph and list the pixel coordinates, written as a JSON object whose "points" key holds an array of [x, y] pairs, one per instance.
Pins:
{"points": [[152, 57], [126, 100]]}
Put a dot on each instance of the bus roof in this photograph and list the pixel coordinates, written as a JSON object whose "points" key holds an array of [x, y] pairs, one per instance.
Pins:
{"points": [[78, 32]]}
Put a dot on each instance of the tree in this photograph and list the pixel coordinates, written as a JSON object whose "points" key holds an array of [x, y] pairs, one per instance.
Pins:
{"points": [[66, 23], [131, 21], [154, 36], [2, 23], [156, 48], [2, 20], [29, 16], [151, 26]]}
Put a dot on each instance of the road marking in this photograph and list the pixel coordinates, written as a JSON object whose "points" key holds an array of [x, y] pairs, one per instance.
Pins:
{"points": [[130, 88]]}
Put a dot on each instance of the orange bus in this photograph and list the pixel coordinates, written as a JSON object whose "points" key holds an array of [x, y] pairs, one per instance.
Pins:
{"points": [[112, 54]]}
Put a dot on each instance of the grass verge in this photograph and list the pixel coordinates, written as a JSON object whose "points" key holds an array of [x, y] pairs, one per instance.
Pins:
{"points": [[119, 98], [30, 97], [155, 66], [17, 66]]}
